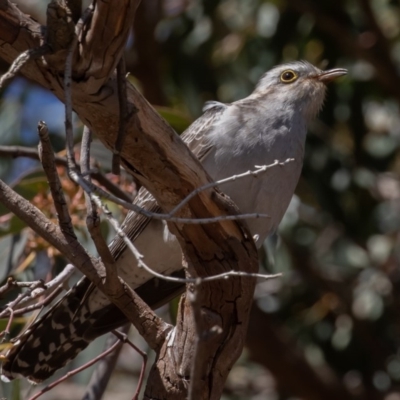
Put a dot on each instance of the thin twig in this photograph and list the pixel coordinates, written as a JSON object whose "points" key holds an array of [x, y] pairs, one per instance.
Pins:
{"points": [[21, 296], [6, 332], [260, 169], [68, 92], [74, 372], [60, 279], [47, 158], [26, 284], [93, 219], [123, 337], [39, 288], [123, 115], [21, 151], [21, 60], [37, 305], [169, 216], [90, 188], [102, 373], [9, 285]]}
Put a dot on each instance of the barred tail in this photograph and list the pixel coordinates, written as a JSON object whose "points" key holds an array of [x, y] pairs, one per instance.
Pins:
{"points": [[56, 338], [68, 328]]}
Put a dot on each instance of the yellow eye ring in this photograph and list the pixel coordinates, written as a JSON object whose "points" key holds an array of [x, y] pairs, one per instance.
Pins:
{"points": [[288, 76]]}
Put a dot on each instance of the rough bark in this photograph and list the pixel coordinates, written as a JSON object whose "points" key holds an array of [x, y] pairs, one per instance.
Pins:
{"points": [[157, 157]]}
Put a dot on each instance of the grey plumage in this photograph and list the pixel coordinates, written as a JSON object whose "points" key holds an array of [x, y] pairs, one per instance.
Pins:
{"points": [[270, 124]]}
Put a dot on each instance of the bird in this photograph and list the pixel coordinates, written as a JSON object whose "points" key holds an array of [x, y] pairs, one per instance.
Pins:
{"points": [[228, 139]]}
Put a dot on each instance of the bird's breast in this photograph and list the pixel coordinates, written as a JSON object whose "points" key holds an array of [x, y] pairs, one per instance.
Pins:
{"points": [[268, 193]]}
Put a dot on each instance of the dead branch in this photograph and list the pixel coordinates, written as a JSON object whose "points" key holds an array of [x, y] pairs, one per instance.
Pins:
{"points": [[92, 217], [36, 289], [47, 159], [124, 338]]}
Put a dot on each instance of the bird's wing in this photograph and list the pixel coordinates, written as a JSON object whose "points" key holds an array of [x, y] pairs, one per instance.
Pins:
{"points": [[135, 223], [196, 136]]}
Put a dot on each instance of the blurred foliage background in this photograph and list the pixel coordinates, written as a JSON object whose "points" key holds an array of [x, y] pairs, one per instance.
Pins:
{"points": [[330, 328]]}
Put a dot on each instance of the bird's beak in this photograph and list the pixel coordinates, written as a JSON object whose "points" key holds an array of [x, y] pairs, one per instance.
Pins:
{"points": [[331, 74]]}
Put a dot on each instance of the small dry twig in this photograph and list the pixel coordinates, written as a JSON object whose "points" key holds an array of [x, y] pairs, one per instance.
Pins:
{"points": [[123, 115], [49, 166], [21, 151], [6, 332], [23, 303], [72, 165], [260, 169], [21, 60], [124, 338], [36, 306], [93, 219], [74, 372], [90, 188], [102, 373]]}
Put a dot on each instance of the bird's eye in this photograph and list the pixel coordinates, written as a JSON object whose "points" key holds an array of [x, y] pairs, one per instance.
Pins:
{"points": [[288, 76]]}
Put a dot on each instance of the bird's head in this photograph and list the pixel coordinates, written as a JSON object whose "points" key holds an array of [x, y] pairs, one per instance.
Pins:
{"points": [[297, 85]]}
